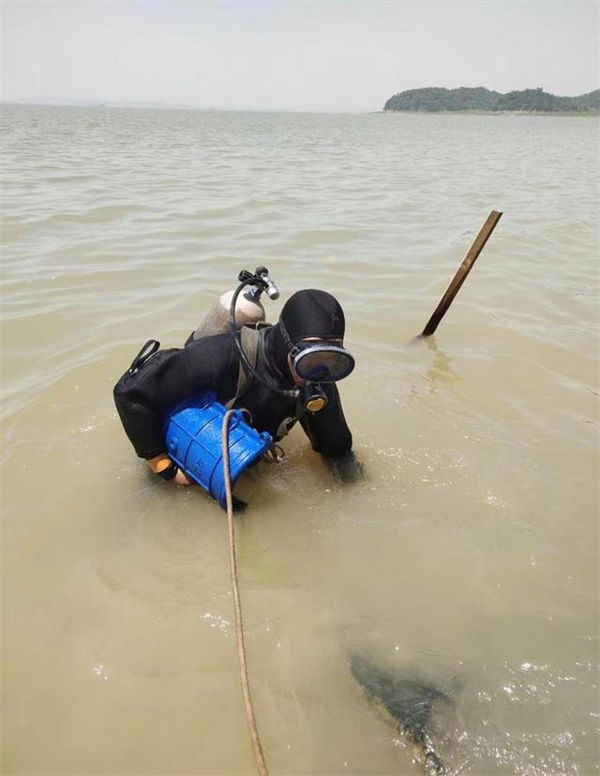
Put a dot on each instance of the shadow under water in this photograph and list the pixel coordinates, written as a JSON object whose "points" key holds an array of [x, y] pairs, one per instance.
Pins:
{"points": [[406, 702]]}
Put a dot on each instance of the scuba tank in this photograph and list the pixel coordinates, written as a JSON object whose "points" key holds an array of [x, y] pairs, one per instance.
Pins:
{"points": [[249, 310]]}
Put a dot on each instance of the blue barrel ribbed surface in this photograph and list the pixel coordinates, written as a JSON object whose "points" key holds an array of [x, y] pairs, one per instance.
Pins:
{"points": [[193, 436]]}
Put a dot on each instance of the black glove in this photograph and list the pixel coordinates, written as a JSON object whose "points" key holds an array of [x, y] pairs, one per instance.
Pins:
{"points": [[347, 468]]}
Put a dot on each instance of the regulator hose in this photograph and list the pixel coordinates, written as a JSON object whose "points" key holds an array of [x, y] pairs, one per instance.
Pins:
{"points": [[253, 280]]}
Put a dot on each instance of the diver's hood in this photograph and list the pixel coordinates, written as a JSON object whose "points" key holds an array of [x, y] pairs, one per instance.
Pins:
{"points": [[313, 313], [307, 313]]}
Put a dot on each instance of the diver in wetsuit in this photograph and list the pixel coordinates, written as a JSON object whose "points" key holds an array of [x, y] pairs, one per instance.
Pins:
{"points": [[302, 353]]}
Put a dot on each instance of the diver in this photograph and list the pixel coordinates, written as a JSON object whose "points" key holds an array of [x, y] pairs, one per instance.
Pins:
{"points": [[297, 363]]}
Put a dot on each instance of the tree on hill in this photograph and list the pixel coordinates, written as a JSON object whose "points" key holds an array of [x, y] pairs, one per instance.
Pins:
{"points": [[479, 98]]}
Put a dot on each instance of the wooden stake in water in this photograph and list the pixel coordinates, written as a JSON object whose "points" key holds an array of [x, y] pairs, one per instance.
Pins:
{"points": [[462, 272]]}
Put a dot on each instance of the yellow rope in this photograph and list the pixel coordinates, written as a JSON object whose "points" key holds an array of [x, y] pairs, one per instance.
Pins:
{"points": [[258, 753]]}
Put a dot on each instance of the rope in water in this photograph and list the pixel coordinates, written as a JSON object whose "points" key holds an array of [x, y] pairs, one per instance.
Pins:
{"points": [[241, 649]]}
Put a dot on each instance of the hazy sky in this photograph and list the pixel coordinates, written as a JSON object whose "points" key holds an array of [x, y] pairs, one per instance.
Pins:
{"points": [[293, 55]]}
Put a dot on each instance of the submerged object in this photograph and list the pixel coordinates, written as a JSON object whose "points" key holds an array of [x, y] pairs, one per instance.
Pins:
{"points": [[407, 703], [193, 433]]}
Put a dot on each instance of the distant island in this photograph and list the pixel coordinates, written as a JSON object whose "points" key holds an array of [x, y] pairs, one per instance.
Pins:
{"points": [[435, 99]]}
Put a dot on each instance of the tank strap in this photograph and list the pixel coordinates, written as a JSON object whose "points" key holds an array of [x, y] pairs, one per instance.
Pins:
{"points": [[148, 350], [250, 342]]}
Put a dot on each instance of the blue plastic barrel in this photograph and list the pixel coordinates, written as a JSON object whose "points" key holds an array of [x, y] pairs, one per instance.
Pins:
{"points": [[193, 435]]}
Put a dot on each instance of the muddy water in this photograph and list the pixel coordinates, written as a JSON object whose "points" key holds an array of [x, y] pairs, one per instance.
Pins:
{"points": [[468, 556]]}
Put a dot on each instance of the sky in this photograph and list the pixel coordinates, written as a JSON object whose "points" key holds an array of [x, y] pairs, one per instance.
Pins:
{"points": [[295, 55]]}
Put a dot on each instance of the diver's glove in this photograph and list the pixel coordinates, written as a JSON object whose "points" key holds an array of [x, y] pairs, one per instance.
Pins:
{"points": [[163, 467], [346, 468], [167, 470]]}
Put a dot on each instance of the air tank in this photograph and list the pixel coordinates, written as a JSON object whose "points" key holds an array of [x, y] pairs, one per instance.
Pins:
{"points": [[248, 311], [248, 308]]}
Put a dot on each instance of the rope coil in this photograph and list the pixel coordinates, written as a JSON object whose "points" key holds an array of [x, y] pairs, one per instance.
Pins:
{"points": [[241, 649]]}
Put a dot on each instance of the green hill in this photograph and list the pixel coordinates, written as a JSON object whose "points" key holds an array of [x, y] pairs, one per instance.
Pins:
{"points": [[480, 99]]}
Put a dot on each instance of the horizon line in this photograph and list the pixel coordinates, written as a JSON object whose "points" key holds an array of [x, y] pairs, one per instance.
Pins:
{"points": [[40, 101]]}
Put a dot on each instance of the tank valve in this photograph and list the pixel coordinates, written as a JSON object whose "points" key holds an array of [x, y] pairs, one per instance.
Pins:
{"points": [[271, 288], [263, 283]]}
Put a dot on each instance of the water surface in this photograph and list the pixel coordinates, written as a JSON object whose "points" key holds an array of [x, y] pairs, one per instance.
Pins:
{"points": [[469, 554]]}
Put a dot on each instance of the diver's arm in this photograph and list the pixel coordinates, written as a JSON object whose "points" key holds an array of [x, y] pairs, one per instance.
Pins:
{"points": [[170, 376], [330, 436]]}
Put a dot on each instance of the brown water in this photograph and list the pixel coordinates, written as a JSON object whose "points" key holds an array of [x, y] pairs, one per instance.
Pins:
{"points": [[469, 556]]}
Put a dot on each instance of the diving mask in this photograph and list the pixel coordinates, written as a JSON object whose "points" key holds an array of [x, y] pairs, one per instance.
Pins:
{"points": [[318, 361]]}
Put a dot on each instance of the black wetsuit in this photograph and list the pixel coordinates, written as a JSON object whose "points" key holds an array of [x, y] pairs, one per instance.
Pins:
{"points": [[172, 375]]}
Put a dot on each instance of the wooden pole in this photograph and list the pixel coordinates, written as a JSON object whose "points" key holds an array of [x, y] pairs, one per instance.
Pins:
{"points": [[462, 272]]}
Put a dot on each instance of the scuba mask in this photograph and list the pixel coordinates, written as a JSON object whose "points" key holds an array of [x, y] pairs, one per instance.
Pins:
{"points": [[321, 362], [315, 362], [318, 361]]}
